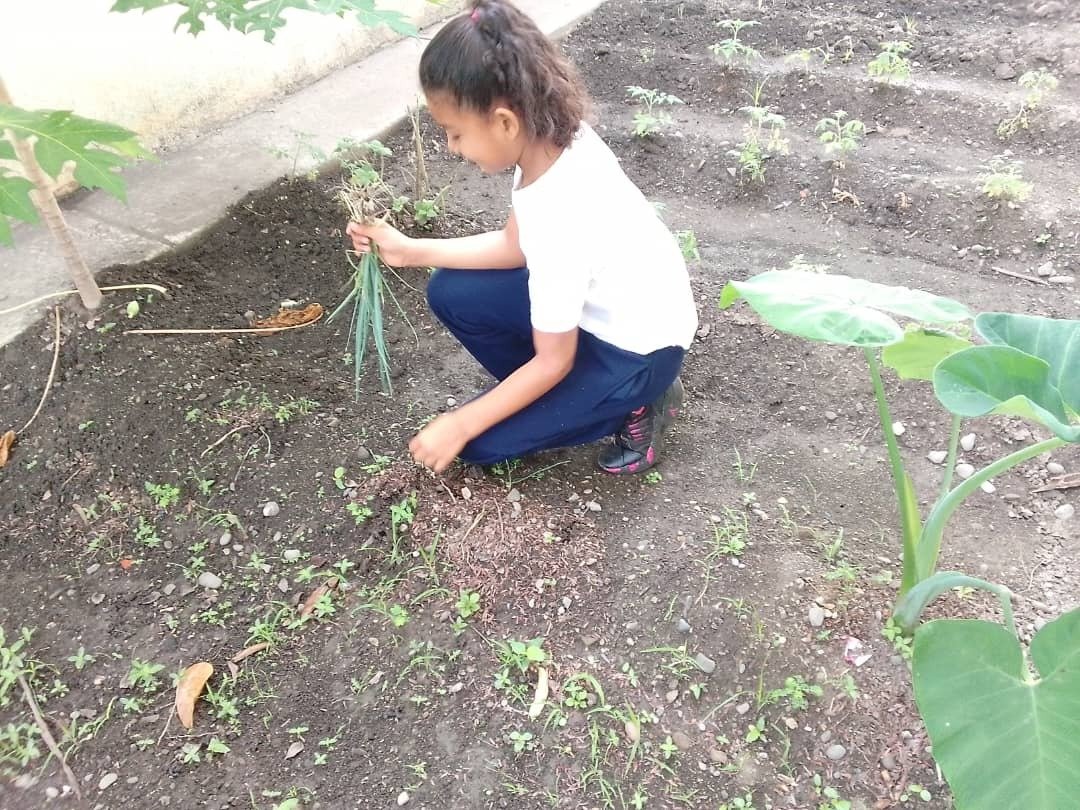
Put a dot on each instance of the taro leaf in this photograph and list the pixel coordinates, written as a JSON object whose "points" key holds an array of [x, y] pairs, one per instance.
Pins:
{"points": [[14, 202], [1002, 738], [1003, 380], [839, 309], [1053, 340], [914, 357], [188, 690], [62, 136]]}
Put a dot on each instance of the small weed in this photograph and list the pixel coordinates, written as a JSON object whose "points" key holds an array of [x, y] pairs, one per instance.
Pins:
{"points": [[650, 119], [841, 138], [762, 139], [1040, 84], [806, 56], [81, 659], [894, 634], [744, 473], [143, 675], [732, 49], [189, 753], [730, 535], [358, 512], [744, 802], [216, 748], [653, 477], [522, 740], [1003, 179], [468, 603], [688, 244], [755, 732], [668, 749], [913, 791], [830, 796], [164, 495], [891, 64], [795, 691]]}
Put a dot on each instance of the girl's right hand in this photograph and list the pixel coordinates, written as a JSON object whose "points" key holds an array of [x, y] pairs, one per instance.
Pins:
{"points": [[394, 247]]}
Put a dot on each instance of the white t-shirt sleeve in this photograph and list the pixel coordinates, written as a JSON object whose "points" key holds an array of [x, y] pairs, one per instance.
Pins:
{"points": [[558, 284]]}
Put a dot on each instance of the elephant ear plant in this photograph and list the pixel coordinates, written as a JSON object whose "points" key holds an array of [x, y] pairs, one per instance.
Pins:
{"points": [[1003, 736]]}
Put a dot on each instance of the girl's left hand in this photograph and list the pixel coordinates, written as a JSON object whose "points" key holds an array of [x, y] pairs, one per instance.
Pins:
{"points": [[438, 444]]}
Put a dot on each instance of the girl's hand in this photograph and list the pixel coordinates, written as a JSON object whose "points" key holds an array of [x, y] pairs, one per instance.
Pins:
{"points": [[438, 444], [395, 248]]}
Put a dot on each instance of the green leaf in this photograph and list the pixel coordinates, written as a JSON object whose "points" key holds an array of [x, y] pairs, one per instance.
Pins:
{"points": [[1003, 380], [914, 357], [1002, 738], [910, 606], [15, 202], [63, 136], [839, 309], [1054, 340], [911, 525]]}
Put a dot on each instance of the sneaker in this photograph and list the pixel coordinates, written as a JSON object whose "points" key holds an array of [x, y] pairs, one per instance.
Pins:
{"points": [[639, 444]]}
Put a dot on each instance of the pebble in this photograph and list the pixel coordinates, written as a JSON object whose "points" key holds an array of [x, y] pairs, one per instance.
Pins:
{"points": [[225, 539], [742, 708], [1045, 270], [451, 402], [888, 762], [704, 663], [816, 615], [107, 780], [294, 749], [968, 442], [937, 456], [271, 509], [209, 580], [682, 625], [987, 487], [593, 506], [169, 589], [898, 429], [831, 416], [466, 493], [93, 569], [717, 756], [513, 496], [682, 739], [97, 598], [1065, 511], [672, 696], [835, 752], [633, 627], [1062, 279], [291, 555], [283, 585], [965, 470], [1005, 71], [51, 792], [403, 798], [1054, 468]]}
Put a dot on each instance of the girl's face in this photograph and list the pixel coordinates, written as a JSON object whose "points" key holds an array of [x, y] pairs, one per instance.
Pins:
{"points": [[492, 140]]}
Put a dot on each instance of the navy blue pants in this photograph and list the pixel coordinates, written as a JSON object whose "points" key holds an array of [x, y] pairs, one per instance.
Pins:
{"points": [[488, 311]]}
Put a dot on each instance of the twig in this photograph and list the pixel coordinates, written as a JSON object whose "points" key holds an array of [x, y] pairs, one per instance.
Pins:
{"points": [[52, 373], [266, 330], [475, 523], [168, 720], [1021, 276], [38, 300], [244, 426], [46, 735]]}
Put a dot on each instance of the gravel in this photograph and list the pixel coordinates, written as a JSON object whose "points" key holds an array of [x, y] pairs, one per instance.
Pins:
{"points": [[835, 752], [209, 580]]}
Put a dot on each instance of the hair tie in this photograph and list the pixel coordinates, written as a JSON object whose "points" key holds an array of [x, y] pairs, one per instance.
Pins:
{"points": [[475, 16]]}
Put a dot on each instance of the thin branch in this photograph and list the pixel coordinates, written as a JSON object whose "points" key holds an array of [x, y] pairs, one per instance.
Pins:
{"points": [[50, 741], [267, 330], [30, 303], [52, 373]]}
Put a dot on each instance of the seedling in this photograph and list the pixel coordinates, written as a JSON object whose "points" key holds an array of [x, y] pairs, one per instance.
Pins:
{"points": [[522, 740], [653, 477], [841, 138], [143, 675], [688, 244], [763, 137], [164, 495], [468, 603], [1004, 180], [730, 535], [830, 796], [81, 659], [358, 511], [1039, 84], [744, 802], [755, 732], [733, 49], [891, 64], [795, 691], [805, 56], [668, 748], [895, 635], [651, 119]]}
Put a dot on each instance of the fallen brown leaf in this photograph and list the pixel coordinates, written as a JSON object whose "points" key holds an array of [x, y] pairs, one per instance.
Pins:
{"points": [[188, 690], [291, 317], [315, 596], [1068, 481], [541, 696], [6, 441], [244, 653]]}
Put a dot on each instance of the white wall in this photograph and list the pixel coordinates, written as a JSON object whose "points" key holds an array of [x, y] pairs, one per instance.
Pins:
{"points": [[133, 69]]}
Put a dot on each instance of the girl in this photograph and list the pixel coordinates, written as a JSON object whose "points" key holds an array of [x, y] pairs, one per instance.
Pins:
{"points": [[582, 309]]}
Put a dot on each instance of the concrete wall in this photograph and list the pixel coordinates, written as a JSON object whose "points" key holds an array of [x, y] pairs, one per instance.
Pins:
{"points": [[133, 69]]}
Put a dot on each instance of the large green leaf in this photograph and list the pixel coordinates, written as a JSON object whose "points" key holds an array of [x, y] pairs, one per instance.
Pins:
{"points": [[14, 202], [1003, 380], [1003, 739], [839, 309], [62, 136], [914, 357], [1054, 340]]}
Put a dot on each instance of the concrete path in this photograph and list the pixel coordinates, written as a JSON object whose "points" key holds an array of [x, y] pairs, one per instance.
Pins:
{"points": [[186, 190]]}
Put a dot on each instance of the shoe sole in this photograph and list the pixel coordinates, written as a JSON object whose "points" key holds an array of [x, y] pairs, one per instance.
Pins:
{"points": [[671, 410]]}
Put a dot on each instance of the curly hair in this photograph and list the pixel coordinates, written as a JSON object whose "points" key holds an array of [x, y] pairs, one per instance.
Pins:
{"points": [[494, 52]]}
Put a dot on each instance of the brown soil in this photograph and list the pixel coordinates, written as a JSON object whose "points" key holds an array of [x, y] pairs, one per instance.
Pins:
{"points": [[602, 569]]}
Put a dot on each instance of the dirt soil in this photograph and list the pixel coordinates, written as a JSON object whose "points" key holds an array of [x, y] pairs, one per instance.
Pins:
{"points": [[694, 622]]}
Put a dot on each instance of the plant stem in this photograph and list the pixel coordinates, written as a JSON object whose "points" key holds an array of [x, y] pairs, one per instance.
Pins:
{"points": [[901, 483], [950, 464], [930, 543]]}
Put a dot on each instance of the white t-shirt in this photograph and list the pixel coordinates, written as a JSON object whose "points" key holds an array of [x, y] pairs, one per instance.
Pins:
{"points": [[599, 256]]}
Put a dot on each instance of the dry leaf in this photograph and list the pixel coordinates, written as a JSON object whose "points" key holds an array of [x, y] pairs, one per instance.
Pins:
{"points": [[294, 749], [6, 442], [541, 693], [126, 563], [633, 730], [234, 670], [244, 653], [316, 595], [188, 690], [1067, 481], [291, 317]]}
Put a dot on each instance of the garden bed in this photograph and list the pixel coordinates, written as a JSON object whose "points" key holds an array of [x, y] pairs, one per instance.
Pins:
{"points": [[686, 597]]}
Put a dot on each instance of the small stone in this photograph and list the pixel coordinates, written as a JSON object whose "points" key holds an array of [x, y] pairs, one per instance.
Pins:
{"points": [[513, 496], [1065, 511], [209, 580], [1045, 270], [567, 602], [832, 416], [965, 470], [987, 487], [742, 708], [835, 752], [968, 442], [704, 663], [97, 598], [403, 798], [898, 429], [717, 756], [271, 509], [1005, 71], [816, 615], [888, 762], [451, 402], [682, 740], [107, 780], [1062, 279], [590, 641], [682, 625], [93, 569], [672, 696], [937, 456], [593, 506], [294, 749], [291, 555], [169, 589], [51, 792], [633, 627], [283, 585], [466, 493], [1054, 468], [826, 735]]}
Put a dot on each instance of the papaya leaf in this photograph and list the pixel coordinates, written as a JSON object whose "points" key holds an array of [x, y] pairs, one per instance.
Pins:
{"points": [[1003, 738], [1054, 340], [914, 357], [15, 203], [1003, 380], [97, 148], [839, 309]]}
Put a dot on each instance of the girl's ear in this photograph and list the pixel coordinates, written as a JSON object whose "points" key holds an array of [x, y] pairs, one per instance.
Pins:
{"points": [[506, 122]]}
